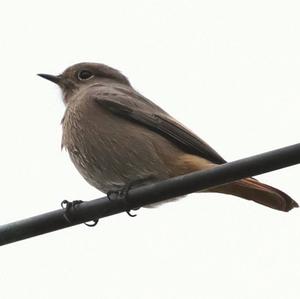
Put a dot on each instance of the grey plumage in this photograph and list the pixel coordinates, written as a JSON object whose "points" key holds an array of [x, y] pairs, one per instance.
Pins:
{"points": [[116, 136]]}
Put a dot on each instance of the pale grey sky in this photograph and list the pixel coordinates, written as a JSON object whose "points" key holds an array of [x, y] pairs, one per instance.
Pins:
{"points": [[229, 70]]}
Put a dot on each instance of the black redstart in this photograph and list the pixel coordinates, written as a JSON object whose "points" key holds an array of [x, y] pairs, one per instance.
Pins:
{"points": [[116, 136]]}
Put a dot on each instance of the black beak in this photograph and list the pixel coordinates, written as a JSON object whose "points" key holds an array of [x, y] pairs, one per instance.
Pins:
{"points": [[55, 79]]}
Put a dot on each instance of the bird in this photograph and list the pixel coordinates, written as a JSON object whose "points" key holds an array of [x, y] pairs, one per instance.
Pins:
{"points": [[115, 136]]}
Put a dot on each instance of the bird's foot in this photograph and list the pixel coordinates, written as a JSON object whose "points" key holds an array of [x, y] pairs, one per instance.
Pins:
{"points": [[122, 194], [67, 207]]}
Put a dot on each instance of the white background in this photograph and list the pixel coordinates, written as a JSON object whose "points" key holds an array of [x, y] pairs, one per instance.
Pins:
{"points": [[229, 70]]}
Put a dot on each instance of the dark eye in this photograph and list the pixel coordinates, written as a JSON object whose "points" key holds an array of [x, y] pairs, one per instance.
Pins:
{"points": [[85, 75]]}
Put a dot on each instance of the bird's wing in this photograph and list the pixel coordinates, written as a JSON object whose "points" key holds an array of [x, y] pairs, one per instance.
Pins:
{"points": [[159, 122]]}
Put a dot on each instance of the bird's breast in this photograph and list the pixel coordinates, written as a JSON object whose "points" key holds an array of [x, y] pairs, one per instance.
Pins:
{"points": [[110, 151]]}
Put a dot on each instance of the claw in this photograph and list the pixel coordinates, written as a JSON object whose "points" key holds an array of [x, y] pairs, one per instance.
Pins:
{"points": [[122, 193], [67, 205], [95, 222], [129, 214]]}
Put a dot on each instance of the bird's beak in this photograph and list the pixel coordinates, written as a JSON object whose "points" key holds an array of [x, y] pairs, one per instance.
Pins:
{"points": [[55, 79]]}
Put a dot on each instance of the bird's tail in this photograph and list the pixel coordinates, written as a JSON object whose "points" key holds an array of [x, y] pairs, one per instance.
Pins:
{"points": [[252, 189]]}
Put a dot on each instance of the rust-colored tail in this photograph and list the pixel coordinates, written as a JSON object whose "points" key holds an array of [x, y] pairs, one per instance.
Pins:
{"points": [[252, 189]]}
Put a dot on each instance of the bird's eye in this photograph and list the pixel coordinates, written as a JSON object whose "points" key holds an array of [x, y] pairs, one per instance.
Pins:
{"points": [[85, 75]]}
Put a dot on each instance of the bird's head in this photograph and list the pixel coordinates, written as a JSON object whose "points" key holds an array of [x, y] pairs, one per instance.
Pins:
{"points": [[85, 74]]}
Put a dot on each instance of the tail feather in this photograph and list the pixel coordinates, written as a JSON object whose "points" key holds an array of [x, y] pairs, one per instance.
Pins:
{"points": [[254, 190]]}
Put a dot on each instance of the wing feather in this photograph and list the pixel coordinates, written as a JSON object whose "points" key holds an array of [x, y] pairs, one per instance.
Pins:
{"points": [[127, 107]]}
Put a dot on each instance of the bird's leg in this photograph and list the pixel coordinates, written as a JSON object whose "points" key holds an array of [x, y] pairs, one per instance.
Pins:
{"points": [[122, 193], [68, 205]]}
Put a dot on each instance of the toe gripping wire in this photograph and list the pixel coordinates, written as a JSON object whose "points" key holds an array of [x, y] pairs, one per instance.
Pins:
{"points": [[122, 196], [67, 207]]}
